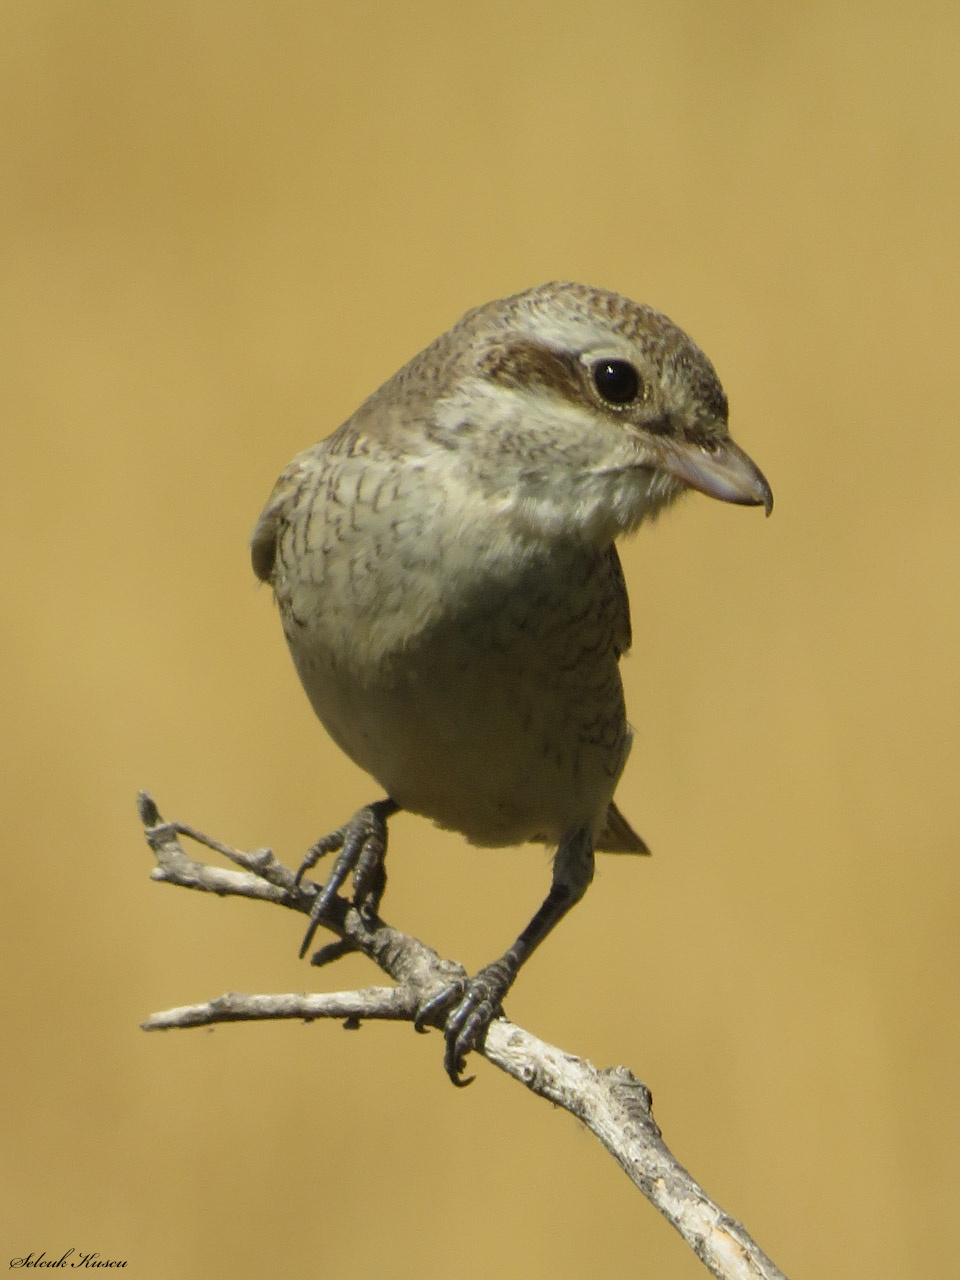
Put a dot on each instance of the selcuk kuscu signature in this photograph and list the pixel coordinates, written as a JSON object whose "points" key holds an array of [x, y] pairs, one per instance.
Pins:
{"points": [[81, 1260]]}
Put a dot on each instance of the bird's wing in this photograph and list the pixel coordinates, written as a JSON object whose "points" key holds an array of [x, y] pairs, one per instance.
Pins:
{"points": [[622, 633], [617, 835], [276, 514]]}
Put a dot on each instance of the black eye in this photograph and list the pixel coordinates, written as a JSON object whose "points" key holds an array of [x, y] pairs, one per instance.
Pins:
{"points": [[617, 381]]}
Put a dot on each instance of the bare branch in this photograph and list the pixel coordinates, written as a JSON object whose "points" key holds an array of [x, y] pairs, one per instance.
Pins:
{"points": [[389, 1003], [612, 1103]]}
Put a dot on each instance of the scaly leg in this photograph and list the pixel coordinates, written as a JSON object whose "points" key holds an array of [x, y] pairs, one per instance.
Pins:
{"points": [[474, 1003]]}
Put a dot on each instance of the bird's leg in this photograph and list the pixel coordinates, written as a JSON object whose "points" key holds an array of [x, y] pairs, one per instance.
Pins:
{"points": [[474, 1002], [362, 843]]}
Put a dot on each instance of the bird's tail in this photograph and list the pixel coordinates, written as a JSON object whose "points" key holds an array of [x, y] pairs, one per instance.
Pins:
{"points": [[617, 835]]}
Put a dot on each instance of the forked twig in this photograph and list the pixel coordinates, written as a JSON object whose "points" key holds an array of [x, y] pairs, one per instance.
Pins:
{"points": [[612, 1103]]}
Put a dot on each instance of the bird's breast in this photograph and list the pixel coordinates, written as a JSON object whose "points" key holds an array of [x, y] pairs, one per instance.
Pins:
{"points": [[476, 678]]}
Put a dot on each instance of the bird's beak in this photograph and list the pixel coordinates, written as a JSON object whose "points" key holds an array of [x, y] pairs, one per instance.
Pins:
{"points": [[722, 471]]}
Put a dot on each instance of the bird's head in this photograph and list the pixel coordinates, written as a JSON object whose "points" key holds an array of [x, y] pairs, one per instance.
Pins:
{"points": [[579, 407]]}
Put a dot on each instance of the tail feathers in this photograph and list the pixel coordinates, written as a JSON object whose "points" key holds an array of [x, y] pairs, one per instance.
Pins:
{"points": [[617, 835]]}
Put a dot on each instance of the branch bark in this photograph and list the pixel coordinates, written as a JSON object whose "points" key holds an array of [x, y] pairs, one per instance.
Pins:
{"points": [[612, 1102]]}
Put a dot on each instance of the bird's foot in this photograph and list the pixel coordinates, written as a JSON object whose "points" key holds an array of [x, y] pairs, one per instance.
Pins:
{"points": [[471, 1004], [362, 843]]}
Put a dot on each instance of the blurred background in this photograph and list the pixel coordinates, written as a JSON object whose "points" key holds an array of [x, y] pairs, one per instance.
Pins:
{"points": [[222, 226]]}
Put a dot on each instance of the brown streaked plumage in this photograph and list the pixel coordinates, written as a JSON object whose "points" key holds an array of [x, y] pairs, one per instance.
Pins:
{"points": [[445, 569]]}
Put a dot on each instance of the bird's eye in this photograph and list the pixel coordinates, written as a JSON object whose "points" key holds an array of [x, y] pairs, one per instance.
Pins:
{"points": [[617, 381]]}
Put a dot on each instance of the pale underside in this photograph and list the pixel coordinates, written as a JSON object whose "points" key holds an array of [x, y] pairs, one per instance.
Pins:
{"points": [[471, 670]]}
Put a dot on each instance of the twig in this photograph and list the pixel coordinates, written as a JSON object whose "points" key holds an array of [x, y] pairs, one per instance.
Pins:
{"points": [[612, 1103]]}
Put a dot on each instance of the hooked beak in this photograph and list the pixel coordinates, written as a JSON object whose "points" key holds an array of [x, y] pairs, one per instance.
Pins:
{"points": [[721, 471]]}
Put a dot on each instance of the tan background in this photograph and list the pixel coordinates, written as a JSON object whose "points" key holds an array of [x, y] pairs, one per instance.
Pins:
{"points": [[222, 225]]}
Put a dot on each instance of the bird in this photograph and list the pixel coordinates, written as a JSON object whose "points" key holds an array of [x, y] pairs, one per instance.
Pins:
{"points": [[451, 594]]}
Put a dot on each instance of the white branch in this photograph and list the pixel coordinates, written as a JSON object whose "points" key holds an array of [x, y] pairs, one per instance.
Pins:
{"points": [[612, 1103]]}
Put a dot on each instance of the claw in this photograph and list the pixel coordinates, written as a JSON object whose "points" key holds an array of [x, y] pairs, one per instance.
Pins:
{"points": [[464, 1030], [362, 843], [448, 997], [473, 1004], [329, 844]]}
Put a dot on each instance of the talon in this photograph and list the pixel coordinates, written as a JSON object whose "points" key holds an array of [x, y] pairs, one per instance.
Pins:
{"points": [[465, 1028], [362, 843], [455, 1057], [472, 1005], [329, 844], [450, 995], [369, 880], [311, 928]]}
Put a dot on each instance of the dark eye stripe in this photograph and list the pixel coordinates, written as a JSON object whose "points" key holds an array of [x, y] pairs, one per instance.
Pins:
{"points": [[525, 364]]}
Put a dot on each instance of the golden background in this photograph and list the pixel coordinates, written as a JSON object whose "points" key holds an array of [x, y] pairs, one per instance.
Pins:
{"points": [[222, 225]]}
